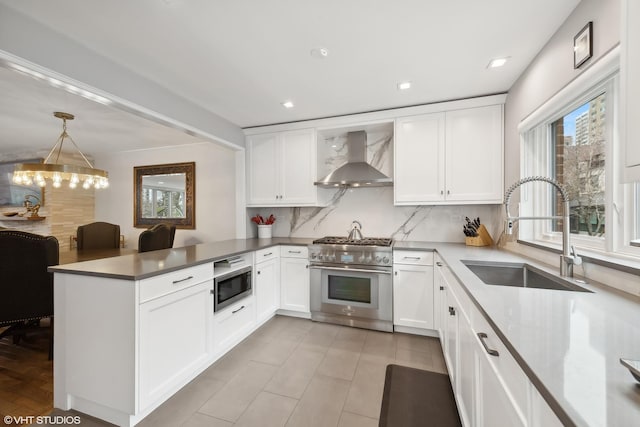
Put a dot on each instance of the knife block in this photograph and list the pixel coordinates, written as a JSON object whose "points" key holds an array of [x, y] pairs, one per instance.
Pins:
{"points": [[483, 238]]}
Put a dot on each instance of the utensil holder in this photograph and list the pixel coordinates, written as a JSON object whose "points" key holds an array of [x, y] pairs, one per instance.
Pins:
{"points": [[264, 231], [483, 238]]}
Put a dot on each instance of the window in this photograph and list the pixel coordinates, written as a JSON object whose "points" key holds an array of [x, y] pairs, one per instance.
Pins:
{"points": [[578, 151]]}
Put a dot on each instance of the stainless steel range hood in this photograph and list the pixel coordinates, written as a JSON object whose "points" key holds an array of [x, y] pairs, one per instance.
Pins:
{"points": [[356, 172]]}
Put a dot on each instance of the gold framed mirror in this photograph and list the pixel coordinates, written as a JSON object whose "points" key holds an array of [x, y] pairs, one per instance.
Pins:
{"points": [[165, 194]]}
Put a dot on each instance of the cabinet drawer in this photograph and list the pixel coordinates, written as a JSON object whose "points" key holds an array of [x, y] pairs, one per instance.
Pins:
{"points": [[267, 254], [509, 372], [413, 257], [168, 283], [233, 323], [294, 251]]}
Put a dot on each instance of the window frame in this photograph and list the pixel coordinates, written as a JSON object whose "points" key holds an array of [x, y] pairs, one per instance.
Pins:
{"points": [[622, 201]]}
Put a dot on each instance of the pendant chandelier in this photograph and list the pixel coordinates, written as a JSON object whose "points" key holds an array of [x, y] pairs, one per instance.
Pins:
{"points": [[28, 173]]}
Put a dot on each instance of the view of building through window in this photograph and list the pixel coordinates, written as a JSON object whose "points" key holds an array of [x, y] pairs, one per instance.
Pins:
{"points": [[579, 160]]}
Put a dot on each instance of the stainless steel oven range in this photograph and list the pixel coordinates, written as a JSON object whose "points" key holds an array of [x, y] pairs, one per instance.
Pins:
{"points": [[351, 282]]}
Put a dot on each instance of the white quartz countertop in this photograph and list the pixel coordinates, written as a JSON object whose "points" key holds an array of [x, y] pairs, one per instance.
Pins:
{"points": [[568, 343], [149, 264]]}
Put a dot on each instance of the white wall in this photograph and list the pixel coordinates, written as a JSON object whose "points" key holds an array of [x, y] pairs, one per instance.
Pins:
{"points": [[552, 69], [215, 191]]}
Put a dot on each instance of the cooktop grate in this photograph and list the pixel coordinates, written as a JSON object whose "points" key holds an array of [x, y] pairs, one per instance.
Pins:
{"points": [[338, 240]]}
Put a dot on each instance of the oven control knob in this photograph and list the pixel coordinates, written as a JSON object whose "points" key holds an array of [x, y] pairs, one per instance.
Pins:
{"points": [[332, 257], [320, 256], [385, 260], [367, 260], [313, 256], [378, 259]]}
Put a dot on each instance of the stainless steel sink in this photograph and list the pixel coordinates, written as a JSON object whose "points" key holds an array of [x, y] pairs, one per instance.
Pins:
{"points": [[519, 275]]}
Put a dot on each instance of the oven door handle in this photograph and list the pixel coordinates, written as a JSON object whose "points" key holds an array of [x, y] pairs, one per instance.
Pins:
{"points": [[346, 270]]}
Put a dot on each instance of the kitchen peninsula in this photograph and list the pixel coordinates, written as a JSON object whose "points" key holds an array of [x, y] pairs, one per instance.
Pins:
{"points": [[132, 330]]}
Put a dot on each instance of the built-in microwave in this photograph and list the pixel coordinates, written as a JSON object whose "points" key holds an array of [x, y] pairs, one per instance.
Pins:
{"points": [[231, 287]]}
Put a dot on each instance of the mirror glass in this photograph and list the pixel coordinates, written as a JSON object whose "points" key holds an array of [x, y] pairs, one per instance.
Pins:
{"points": [[163, 196], [165, 193]]}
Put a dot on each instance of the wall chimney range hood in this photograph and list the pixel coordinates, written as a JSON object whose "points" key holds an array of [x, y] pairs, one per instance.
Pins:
{"points": [[356, 172]]}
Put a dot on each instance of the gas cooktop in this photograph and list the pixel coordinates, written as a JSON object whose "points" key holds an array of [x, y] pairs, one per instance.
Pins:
{"points": [[340, 240]]}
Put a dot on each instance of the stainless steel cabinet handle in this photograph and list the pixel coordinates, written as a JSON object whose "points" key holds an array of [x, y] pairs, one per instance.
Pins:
{"points": [[258, 272], [270, 253], [442, 288], [448, 192], [295, 252], [175, 282], [306, 266], [395, 272], [234, 312], [412, 257], [439, 264], [452, 311], [491, 352], [441, 192]]}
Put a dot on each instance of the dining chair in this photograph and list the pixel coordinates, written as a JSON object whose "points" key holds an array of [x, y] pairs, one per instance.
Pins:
{"points": [[160, 236], [26, 287], [98, 235]]}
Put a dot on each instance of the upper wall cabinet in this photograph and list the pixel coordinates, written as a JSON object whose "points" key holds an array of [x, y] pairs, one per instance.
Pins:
{"points": [[281, 168], [630, 90], [453, 157]]}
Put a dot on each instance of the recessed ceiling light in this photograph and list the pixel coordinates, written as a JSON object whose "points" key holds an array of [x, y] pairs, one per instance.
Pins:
{"points": [[497, 62], [320, 52], [287, 104], [404, 85]]}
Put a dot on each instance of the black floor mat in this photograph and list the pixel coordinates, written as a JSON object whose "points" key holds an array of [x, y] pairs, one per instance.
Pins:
{"points": [[413, 397]]}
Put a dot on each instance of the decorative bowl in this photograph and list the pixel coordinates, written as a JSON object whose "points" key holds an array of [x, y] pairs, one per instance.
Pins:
{"points": [[9, 213]]}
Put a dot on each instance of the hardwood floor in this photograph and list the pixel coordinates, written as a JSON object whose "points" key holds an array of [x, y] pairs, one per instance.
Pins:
{"points": [[26, 376]]}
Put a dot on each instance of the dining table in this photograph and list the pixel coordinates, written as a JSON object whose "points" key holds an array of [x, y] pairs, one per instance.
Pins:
{"points": [[78, 255]]}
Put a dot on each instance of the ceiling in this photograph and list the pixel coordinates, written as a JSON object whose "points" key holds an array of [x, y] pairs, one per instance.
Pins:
{"points": [[240, 59]]}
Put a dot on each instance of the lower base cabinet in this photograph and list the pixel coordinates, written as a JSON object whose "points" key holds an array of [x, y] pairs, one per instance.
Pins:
{"points": [[413, 289], [177, 327], [267, 283], [294, 279], [489, 386]]}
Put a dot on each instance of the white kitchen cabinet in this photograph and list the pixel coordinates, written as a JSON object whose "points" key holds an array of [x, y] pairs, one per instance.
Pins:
{"points": [[630, 87], [419, 159], [267, 283], [294, 279], [175, 338], [281, 169], [474, 160], [412, 290], [489, 386], [453, 157], [156, 338]]}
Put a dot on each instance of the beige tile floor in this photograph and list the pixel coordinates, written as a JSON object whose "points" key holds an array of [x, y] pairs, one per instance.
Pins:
{"points": [[295, 372]]}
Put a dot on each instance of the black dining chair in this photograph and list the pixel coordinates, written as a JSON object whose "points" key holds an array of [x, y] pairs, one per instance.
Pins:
{"points": [[98, 235], [26, 287], [160, 236]]}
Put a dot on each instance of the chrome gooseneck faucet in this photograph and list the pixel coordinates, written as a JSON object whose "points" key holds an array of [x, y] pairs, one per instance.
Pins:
{"points": [[569, 258]]}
